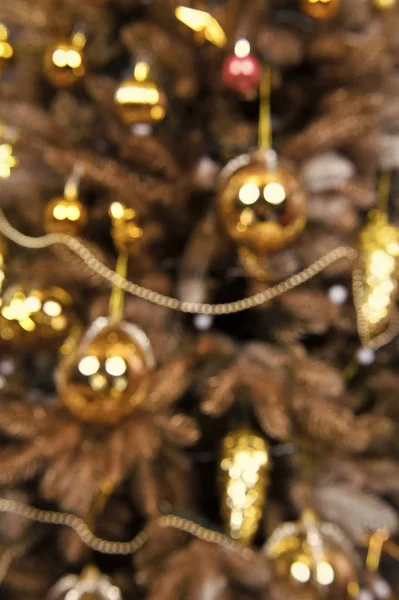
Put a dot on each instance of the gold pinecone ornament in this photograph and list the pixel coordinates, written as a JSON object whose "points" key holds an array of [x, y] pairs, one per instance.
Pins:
{"points": [[375, 282], [244, 477]]}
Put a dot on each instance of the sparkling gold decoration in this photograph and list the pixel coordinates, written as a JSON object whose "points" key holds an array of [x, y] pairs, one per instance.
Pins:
{"points": [[376, 276], [7, 160], [244, 469], [262, 205], [90, 585], [31, 316], [67, 214], [126, 233], [322, 10], [107, 375], [140, 100], [64, 62], [203, 23], [384, 4], [6, 49], [314, 556]]}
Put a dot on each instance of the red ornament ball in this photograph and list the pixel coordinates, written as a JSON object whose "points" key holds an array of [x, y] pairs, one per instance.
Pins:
{"points": [[242, 74]]}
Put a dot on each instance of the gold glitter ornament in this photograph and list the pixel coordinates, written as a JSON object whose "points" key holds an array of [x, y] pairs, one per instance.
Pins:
{"points": [[65, 62], [383, 5], [315, 558], [107, 374], [6, 49], [376, 290], [322, 10], [90, 585], [262, 206], [138, 99], [244, 477], [36, 316]]}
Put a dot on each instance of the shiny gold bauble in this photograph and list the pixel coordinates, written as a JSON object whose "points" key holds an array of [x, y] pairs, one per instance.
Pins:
{"points": [[262, 205], [382, 5], [126, 232], [244, 468], [314, 557], [34, 316], [90, 585], [322, 10], [64, 64], [65, 216], [107, 375], [376, 284], [6, 49], [140, 102]]}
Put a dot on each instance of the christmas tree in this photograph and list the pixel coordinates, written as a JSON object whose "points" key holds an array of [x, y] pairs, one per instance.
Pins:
{"points": [[199, 271]]}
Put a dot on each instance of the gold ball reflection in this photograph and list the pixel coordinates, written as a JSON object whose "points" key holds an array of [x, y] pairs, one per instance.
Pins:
{"points": [[126, 232], [107, 376], [262, 209], [30, 316], [314, 560], [384, 4], [64, 64], [65, 216], [140, 102], [322, 10]]}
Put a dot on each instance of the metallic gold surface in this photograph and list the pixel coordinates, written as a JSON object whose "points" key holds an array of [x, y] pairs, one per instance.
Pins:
{"points": [[244, 468], [90, 585], [313, 556], [64, 64], [262, 205], [140, 102], [6, 48], [384, 4], [107, 375], [378, 265], [63, 215], [31, 316], [321, 9], [126, 232]]}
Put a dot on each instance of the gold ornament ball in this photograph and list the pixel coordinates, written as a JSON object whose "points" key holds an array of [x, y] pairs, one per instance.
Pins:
{"points": [[107, 376], [32, 316], [322, 10], [262, 206], [65, 216], [126, 232], [383, 5], [91, 584], [64, 64], [140, 102], [314, 559], [6, 49]]}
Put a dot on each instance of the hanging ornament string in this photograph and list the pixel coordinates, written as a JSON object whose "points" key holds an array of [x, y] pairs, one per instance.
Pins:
{"points": [[228, 308], [121, 548], [265, 128]]}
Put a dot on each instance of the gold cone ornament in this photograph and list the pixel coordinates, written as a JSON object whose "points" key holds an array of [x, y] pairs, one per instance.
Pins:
{"points": [[314, 557], [90, 585], [375, 278], [322, 10], [244, 477], [36, 316]]}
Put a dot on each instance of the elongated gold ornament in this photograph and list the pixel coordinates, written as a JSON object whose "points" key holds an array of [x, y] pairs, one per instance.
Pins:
{"points": [[244, 477], [375, 282]]}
